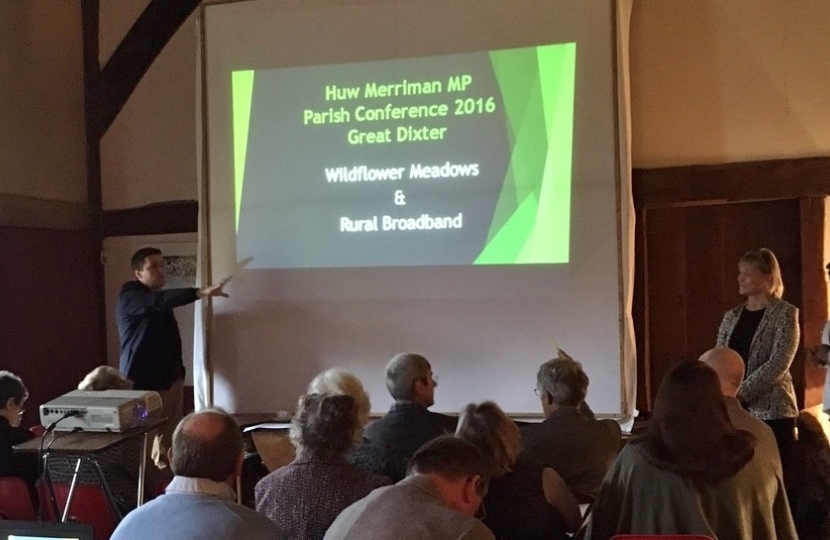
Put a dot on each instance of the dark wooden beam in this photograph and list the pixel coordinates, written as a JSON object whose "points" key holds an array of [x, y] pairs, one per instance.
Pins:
{"points": [[105, 93], [814, 299], [90, 10], [732, 182], [132, 58], [160, 218]]}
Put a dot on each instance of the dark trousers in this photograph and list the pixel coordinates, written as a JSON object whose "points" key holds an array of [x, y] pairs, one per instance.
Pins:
{"points": [[785, 436]]}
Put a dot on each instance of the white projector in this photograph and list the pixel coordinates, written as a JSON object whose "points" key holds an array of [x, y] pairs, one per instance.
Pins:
{"points": [[106, 410]]}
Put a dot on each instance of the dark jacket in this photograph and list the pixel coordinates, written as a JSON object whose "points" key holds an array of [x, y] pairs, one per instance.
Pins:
{"points": [[579, 448], [151, 346], [407, 426]]}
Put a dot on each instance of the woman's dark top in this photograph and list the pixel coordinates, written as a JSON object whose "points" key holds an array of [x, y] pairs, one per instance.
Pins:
{"points": [[22, 465], [516, 508], [741, 338]]}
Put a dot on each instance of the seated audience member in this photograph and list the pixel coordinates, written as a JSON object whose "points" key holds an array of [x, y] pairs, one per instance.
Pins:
{"points": [[365, 454], [809, 494], [119, 464], [409, 424], [729, 366], [206, 458], [578, 447], [12, 397], [305, 496], [692, 472], [447, 480], [525, 501]]}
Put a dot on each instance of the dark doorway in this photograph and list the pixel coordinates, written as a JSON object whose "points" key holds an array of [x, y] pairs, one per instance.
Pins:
{"points": [[687, 277]]}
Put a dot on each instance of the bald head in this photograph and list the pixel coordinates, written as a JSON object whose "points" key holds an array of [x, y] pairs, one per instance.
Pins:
{"points": [[207, 444], [729, 366]]}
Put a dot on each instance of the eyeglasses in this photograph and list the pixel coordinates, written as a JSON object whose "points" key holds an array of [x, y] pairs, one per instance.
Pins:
{"points": [[538, 392]]}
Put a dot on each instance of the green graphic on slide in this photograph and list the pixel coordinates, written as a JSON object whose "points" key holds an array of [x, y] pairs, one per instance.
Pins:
{"points": [[243, 91], [531, 224]]}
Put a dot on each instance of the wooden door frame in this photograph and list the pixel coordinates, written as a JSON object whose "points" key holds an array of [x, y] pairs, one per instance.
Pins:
{"points": [[806, 179]]}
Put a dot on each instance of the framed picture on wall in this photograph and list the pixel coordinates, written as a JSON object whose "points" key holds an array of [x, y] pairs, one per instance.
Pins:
{"points": [[180, 263]]}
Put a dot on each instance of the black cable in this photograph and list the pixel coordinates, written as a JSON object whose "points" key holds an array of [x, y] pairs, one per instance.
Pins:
{"points": [[50, 429]]}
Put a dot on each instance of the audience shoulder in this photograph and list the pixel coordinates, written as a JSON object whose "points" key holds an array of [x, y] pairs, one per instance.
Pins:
{"points": [[613, 428], [250, 524], [255, 521], [477, 531]]}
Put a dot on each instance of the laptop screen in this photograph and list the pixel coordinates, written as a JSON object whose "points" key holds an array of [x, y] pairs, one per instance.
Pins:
{"points": [[41, 530]]}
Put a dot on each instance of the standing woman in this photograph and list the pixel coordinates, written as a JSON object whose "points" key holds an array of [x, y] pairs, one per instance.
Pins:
{"points": [[764, 331]]}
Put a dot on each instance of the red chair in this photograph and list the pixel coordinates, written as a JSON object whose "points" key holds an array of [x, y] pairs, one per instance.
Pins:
{"points": [[15, 500], [89, 505], [661, 537]]}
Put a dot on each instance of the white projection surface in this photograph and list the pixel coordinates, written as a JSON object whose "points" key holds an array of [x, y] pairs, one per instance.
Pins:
{"points": [[435, 176]]}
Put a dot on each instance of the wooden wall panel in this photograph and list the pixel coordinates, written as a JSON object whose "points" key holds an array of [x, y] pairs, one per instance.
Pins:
{"points": [[703, 285], [639, 315], [665, 237], [50, 332], [690, 274], [814, 309]]}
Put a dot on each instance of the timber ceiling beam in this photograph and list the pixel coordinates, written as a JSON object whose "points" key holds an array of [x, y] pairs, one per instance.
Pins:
{"points": [[732, 182], [133, 57], [159, 218]]}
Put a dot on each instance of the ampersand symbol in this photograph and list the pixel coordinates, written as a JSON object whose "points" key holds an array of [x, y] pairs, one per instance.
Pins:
{"points": [[400, 198]]}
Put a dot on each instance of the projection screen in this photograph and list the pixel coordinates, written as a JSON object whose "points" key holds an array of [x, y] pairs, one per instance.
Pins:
{"points": [[435, 176]]}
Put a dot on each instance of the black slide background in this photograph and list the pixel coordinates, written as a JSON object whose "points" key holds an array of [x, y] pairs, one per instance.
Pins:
{"points": [[290, 215]]}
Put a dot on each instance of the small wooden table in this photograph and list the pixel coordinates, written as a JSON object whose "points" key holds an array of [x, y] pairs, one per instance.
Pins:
{"points": [[83, 445]]}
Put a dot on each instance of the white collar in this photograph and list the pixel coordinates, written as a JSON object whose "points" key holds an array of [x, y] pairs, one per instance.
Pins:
{"points": [[202, 486]]}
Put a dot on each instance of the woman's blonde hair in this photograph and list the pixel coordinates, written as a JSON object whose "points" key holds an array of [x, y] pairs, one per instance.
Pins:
{"points": [[339, 381], [493, 432], [765, 262], [105, 378]]}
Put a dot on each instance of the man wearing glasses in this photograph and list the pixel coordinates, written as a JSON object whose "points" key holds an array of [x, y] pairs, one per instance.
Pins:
{"points": [[22, 465], [569, 440], [409, 423]]}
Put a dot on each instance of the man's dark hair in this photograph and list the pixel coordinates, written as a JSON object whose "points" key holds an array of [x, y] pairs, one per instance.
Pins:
{"points": [[137, 262], [452, 458], [211, 455], [11, 386]]}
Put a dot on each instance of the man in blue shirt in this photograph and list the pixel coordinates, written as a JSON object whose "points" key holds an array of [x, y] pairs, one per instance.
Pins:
{"points": [[199, 503]]}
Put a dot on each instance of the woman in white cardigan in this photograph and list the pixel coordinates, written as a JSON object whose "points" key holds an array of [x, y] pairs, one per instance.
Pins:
{"points": [[764, 331]]}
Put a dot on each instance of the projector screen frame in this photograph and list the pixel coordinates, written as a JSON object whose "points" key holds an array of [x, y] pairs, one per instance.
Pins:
{"points": [[623, 249]]}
